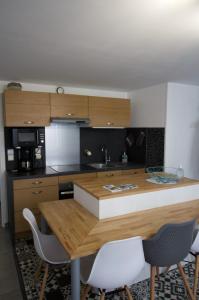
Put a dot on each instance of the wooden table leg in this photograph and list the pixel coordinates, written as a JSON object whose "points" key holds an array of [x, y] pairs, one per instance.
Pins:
{"points": [[152, 283], [75, 279], [186, 283]]}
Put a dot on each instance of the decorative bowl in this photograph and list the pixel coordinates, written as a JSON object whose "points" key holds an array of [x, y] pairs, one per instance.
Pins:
{"points": [[163, 174]]}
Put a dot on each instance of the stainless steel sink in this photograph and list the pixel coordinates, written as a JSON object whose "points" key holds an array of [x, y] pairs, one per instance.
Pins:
{"points": [[105, 166]]}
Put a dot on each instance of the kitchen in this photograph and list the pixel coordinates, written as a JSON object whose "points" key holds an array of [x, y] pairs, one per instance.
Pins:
{"points": [[87, 119]]}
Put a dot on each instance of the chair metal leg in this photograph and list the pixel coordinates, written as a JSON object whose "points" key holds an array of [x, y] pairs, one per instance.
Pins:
{"points": [[44, 283], [196, 275], [152, 283], [129, 296], [186, 283], [85, 292]]}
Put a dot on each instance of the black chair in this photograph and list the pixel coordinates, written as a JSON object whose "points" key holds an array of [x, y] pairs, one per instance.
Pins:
{"points": [[169, 247]]}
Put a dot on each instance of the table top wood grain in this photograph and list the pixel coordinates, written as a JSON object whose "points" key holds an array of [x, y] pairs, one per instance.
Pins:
{"points": [[95, 186], [82, 234]]}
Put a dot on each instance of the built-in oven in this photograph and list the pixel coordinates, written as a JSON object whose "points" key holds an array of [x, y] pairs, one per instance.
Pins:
{"points": [[66, 190]]}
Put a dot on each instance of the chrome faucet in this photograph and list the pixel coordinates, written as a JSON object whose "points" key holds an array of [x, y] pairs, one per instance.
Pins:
{"points": [[107, 158]]}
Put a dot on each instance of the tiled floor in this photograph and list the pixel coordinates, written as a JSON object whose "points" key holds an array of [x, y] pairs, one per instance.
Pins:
{"points": [[9, 284]]}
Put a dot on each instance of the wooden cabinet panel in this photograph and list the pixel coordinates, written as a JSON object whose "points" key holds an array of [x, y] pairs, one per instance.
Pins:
{"points": [[21, 225], [109, 173], [70, 106], [27, 115], [35, 182], [26, 109], [133, 171], [23, 97], [109, 112], [68, 178], [30, 198]]}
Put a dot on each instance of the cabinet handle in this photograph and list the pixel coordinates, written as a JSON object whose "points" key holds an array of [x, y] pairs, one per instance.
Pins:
{"points": [[28, 122], [69, 114], [109, 175], [109, 123], [37, 182], [37, 192]]}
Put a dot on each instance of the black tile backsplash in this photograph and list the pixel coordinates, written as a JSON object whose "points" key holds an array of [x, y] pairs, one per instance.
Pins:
{"points": [[93, 140], [143, 145]]}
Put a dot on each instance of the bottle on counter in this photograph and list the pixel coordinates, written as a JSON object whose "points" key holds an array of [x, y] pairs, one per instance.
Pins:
{"points": [[180, 172], [124, 158]]}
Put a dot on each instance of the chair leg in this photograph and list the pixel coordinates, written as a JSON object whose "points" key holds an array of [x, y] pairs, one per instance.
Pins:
{"points": [[129, 296], [44, 283], [186, 283], [196, 276], [102, 296], [152, 283], [85, 292], [157, 273], [167, 269], [38, 271]]}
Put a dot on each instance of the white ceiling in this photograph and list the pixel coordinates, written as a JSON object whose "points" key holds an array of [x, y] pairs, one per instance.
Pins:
{"points": [[112, 44]]}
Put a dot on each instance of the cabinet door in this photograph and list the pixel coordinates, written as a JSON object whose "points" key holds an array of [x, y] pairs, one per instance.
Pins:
{"points": [[26, 108], [70, 106], [133, 171], [35, 182], [109, 112], [71, 178], [109, 174], [34, 197]]}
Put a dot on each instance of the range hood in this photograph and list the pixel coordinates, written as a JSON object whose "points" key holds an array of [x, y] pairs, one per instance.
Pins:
{"points": [[76, 121]]}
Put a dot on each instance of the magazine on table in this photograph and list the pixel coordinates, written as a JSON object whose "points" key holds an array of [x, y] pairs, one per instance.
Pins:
{"points": [[119, 188]]}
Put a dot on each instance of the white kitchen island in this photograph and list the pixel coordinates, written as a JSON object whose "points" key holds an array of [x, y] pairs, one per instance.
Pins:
{"points": [[104, 204]]}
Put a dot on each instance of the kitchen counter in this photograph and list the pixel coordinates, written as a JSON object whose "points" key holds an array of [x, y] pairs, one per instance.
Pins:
{"points": [[67, 170], [104, 204]]}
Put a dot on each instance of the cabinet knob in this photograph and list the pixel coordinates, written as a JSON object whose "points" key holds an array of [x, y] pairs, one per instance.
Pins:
{"points": [[37, 182], [69, 114], [28, 122], [37, 192], [109, 123]]}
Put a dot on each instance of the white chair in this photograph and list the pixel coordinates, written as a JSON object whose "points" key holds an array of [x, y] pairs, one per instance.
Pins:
{"points": [[47, 247], [195, 252], [116, 265]]}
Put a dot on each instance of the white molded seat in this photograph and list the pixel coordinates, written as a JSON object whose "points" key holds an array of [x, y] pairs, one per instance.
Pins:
{"points": [[116, 265], [47, 247]]}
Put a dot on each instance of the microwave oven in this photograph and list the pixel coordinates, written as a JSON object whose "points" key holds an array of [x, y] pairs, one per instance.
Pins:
{"points": [[28, 137]]}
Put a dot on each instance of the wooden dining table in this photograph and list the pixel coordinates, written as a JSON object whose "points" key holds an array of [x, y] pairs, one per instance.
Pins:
{"points": [[82, 234]]}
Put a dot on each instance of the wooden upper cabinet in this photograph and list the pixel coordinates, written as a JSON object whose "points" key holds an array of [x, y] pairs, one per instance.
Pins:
{"points": [[26, 108], [70, 106], [109, 112]]}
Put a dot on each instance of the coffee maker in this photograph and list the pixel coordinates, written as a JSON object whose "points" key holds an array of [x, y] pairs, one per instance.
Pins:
{"points": [[25, 148]]}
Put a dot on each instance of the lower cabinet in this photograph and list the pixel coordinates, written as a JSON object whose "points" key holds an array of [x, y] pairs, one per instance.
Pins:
{"points": [[30, 197], [121, 172]]}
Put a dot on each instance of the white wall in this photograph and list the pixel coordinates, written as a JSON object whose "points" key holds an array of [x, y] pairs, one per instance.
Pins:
{"points": [[182, 128], [149, 106], [62, 141]]}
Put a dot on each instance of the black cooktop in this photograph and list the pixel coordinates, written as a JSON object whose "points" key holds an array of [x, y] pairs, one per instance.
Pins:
{"points": [[71, 168]]}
